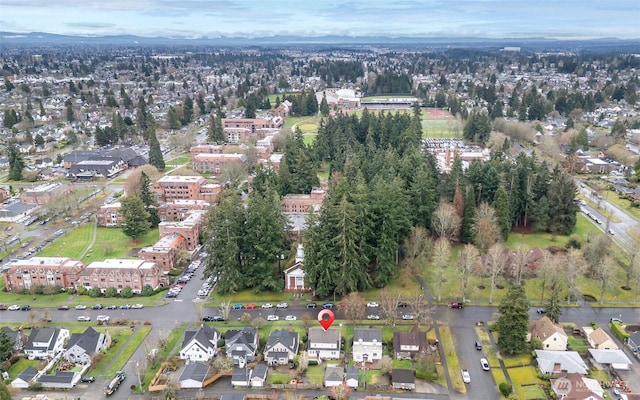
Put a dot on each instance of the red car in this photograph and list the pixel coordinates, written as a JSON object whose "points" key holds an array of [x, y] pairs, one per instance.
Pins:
{"points": [[250, 306], [3, 307], [455, 304]]}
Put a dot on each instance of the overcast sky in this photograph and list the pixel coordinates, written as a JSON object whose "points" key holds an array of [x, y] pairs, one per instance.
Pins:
{"points": [[563, 19]]}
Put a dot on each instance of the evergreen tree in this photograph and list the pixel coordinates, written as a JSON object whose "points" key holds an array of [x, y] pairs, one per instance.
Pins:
{"points": [[155, 153], [147, 198], [562, 206], [324, 106], [135, 217], [298, 171], [173, 118], [553, 305], [215, 132], [513, 322], [187, 110], [501, 205], [541, 215], [69, 112], [466, 226], [16, 164], [422, 197]]}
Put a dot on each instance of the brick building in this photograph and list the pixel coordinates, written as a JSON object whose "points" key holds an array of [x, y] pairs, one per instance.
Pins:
{"points": [[178, 210], [109, 215], [179, 187], [216, 163], [189, 228], [164, 252], [120, 273], [44, 271], [302, 203], [42, 194]]}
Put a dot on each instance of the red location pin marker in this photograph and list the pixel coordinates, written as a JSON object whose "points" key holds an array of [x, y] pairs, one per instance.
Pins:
{"points": [[326, 318]]}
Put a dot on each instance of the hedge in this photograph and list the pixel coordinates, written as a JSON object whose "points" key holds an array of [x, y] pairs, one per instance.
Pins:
{"points": [[618, 330]]}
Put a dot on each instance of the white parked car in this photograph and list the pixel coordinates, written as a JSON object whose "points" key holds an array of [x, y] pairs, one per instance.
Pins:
{"points": [[103, 318], [485, 364], [290, 318], [272, 318], [373, 304], [81, 307], [82, 318], [373, 316], [14, 307], [407, 317], [268, 305], [137, 306], [282, 305], [466, 378]]}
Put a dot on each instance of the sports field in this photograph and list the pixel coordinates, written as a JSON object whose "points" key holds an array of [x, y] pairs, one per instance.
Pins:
{"points": [[437, 123]]}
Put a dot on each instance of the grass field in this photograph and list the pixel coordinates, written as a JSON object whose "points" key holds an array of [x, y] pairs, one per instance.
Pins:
{"points": [[128, 349], [441, 128], [526, 383], [181, 160], [453, 365], [624, 205]]}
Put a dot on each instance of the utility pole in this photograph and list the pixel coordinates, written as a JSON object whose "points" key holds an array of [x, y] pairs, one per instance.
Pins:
{"points": [[138, 373]]}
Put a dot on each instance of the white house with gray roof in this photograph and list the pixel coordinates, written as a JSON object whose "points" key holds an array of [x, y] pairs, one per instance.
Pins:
{"points": [[281, 347], [324, 345], [367, 343], [200, 345], [45, 342]]}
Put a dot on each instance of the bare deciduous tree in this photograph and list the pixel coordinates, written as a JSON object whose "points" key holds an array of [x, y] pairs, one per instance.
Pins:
{"points": [[353, 306], [225, 309], [486, 230], [417, 247], [446, 222], [441, 261], [606, 275], [467, 258], [389, 301], [420, 309], [573, 267], [494, 265], [519, 260]]}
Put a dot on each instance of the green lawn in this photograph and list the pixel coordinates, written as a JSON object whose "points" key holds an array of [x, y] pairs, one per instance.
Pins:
{"points": [[22, 364], [441, 128], [526, 383], [315, 374], [577, 344], [453, 365], [127, 351], [521, 360], [35, 301], [119, 336], [278, 377], [309, 138], [624, 205], [181, 160]]}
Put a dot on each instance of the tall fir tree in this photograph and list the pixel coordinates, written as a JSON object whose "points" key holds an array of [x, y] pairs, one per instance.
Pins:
{"points": [[466, 226], [513, 322], [147, 198], [501, 205], [155, 153], [16, 164], [562, 204], [135, 217]]}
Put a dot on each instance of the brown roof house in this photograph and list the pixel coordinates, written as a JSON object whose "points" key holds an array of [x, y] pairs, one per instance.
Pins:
{"points": [[552, 336], [408, 344], [599, 339], [577, 387]]}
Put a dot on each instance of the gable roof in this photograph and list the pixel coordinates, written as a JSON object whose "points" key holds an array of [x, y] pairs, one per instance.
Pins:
{"points": [[195, 371], [284, 337], [87, 340], [544, 328], [400, 375], [27, 374], [599, 336], [352, 373], [569, 361], [609, 356], [367, 335], [409, 338], [42, 335], [205, 336], [247, 336], [334, 373], [259, 371], [319, 335], [59, 377]]}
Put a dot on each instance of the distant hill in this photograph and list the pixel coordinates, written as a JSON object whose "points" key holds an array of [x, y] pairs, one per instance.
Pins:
{"points": [[533, 43]]}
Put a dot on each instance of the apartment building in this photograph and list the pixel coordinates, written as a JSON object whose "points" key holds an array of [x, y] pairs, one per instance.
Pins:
{"points": [[189, 228], [179, 210], [43, 271], [178, 187], [121, 273], [109, 215], [164, 252], [216, 163], [303, 203], [42, 194]]}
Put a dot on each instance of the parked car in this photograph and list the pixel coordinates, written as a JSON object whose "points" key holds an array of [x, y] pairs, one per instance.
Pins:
{"points": [[485, 364], [373, 316], [403, 304], [272, 318], [125, 306], [137, 306], [208, 319], [96, 306], [218, 318], [610, 232], [238, 306], [311, 305], [14, 307], [87, 379], [327, 305], [282, 305], [466, 378], [250, 306], [111, 307], [407, 317], [25, 307], [103, 318], [63, 307], [290, 318], [3, 307], [478, 345], [267, 306], [455, 304], [541, 311], [81, 307], [373, 304], [82, 318]]}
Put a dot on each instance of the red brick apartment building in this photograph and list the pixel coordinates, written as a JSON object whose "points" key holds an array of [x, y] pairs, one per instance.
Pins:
{"points": [[303, 203], [109, 215], [215, 163], [45, 271], [42, 194], [239, 130], [179, 187], [178, 210], [120, 273], [189, 228], [164, 252]]}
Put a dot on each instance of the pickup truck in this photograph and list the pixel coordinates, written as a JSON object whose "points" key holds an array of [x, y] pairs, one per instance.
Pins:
{"points": [[115, 383]]}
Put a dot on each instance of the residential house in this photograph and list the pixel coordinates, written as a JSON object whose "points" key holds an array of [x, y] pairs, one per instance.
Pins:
{"points": [[599, 339], [241, 344], [241, 377], [560, 362], [367, 344], [281, 348], [324, 345], [45, 342], [404, 379], [201, 344], [17, 337], [294, 275], [552, 336], [43, 271], [83, 346], [23, 380], [333, 375], [59, 380], [258, 375], [634, 341], [577, 387], [121, 273], [194, 375], [408, 344], [352, 377], [615, 359]]}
